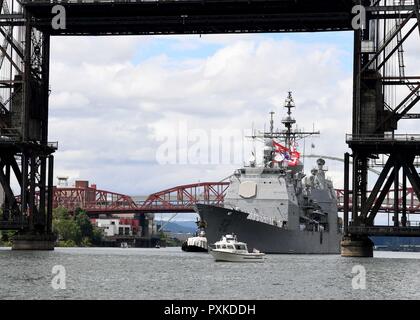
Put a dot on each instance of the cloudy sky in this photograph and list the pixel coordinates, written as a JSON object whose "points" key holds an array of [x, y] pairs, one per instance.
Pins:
{"points": [[118, 103]]}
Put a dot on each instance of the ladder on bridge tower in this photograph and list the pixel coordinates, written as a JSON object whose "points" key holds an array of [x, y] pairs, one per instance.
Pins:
{"points": [[400, 46]]}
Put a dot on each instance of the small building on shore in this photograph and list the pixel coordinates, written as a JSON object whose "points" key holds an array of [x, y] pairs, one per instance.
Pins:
{"points": [[114, 227]]}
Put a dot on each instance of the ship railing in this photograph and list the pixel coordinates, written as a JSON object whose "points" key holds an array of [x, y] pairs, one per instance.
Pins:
{"points": [[383, 137]]}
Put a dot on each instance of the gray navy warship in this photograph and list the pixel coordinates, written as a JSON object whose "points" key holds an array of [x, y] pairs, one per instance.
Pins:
{"points": [[273, 206]]}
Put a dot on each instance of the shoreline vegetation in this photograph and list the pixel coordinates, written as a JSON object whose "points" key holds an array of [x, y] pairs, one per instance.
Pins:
{"points": [[77, 231], [70, 230]]}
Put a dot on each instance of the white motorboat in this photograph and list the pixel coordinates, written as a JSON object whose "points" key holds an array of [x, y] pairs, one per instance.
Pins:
{"points": [[231, 250]]}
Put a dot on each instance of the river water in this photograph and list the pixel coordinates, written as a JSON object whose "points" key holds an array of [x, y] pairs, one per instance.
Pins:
{"points": [[169, 273]]}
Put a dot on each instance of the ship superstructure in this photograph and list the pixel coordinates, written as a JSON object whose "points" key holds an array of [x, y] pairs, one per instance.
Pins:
{"points": [[273, 205]]}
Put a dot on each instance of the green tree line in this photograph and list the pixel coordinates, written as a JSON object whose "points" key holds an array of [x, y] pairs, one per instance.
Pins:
{"points": [[75, 230], [5, 236], [72, 230]]}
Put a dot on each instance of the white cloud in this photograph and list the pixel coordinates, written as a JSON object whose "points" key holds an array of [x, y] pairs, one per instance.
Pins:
{"points": [[97, 50], [107, 110]]}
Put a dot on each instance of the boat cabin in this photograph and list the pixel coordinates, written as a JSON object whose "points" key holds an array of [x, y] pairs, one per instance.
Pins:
{"points": [[230, 243]]}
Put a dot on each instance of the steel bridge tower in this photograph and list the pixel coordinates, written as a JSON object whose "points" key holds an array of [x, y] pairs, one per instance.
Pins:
{"points": [[384, 95], [25, 155]]}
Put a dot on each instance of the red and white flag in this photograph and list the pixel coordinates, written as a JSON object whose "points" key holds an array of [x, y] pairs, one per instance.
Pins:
{"points": [[285, 154], [279, 148]]}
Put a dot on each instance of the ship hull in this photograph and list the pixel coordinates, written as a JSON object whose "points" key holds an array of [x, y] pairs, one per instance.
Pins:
{"points": [[234, 257], [265, 237]]}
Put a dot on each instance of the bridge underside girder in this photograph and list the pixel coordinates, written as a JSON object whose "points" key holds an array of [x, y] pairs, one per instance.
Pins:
{"points": [[199, 17]]}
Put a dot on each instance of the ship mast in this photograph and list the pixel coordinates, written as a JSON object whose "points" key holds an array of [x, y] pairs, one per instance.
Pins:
{"points": [[287, 136], [272, 113], [290, 135], [289, 121]]}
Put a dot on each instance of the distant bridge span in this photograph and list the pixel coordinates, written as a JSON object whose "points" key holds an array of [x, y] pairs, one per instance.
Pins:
{"points": [[174, 200], [180, 199]]}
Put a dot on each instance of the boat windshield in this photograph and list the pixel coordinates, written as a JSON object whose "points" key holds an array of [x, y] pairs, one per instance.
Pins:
{"points": [[240, 247]]}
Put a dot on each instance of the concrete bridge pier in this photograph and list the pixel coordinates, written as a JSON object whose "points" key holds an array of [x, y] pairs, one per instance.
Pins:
{"points": [[356, 246], [34, 242]]}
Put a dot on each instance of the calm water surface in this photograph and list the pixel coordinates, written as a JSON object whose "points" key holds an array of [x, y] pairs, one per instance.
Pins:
{"points": [[169, 273]]}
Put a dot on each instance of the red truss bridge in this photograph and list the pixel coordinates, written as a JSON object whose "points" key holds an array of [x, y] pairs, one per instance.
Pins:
{"points": [[174, 200], [177, 200]]}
